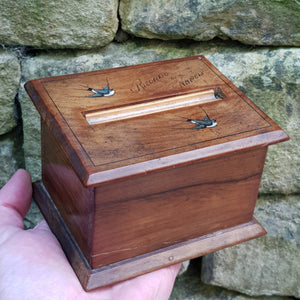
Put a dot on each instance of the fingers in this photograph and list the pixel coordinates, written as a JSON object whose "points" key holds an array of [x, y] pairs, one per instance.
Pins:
{"points": [[174, 270], [168, 276], [15, 199], [42, 230], [151, 286]]}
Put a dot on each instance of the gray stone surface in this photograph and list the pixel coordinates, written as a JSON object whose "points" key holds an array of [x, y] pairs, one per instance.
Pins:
{"points": [[32, 134], [189, 287], [184, 267], [33, 217], [58, 24], [269, 76], [11, 155], [10, 75], [268, 265], [273, 22]]}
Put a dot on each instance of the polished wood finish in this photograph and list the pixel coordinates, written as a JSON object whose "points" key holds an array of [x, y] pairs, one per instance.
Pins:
{"points": [[149, 212], [59, 178], [93, 278], [130, 176], [64, 101]]}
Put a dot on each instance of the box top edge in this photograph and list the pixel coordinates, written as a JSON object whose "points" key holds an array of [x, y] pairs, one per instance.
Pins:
{"points": [[87, 165]]}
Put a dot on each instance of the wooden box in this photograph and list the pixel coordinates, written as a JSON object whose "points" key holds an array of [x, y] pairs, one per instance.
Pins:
{"points": [[148, 165]]}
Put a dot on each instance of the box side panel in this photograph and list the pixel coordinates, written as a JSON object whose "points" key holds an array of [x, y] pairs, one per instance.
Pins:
{"points": [[72, 199], [159, 209]]}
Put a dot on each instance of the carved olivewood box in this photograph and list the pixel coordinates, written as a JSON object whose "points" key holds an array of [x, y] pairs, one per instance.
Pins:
{"points": [[148, 165]]}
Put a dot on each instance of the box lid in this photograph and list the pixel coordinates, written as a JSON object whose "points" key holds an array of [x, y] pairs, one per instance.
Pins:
{"points": [[132, 120]]}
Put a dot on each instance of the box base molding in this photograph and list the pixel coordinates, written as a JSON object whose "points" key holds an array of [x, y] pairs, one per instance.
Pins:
{"points": [[129, 268]]}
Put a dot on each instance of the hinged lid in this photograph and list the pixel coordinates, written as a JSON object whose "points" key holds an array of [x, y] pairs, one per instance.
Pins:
{"points": [[131, 120]]}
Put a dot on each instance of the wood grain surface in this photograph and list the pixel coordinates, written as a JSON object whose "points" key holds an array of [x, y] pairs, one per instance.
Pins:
{"points": [[97, 152], [126, 269]]}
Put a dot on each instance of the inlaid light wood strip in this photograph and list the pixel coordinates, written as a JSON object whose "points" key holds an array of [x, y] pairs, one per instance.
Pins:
{"points": [[151, 107]]}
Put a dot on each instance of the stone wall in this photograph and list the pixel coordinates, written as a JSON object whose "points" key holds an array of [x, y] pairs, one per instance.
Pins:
{"points": [[254, 43]]}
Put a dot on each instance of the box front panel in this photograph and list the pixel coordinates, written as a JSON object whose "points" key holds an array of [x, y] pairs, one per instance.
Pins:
{"points": [[150, 212]]}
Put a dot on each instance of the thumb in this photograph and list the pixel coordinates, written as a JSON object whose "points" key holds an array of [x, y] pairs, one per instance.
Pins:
{"points": [[15, 199]]}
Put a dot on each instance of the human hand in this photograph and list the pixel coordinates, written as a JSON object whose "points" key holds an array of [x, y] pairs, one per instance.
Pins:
{"points": [[33, 265]]}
